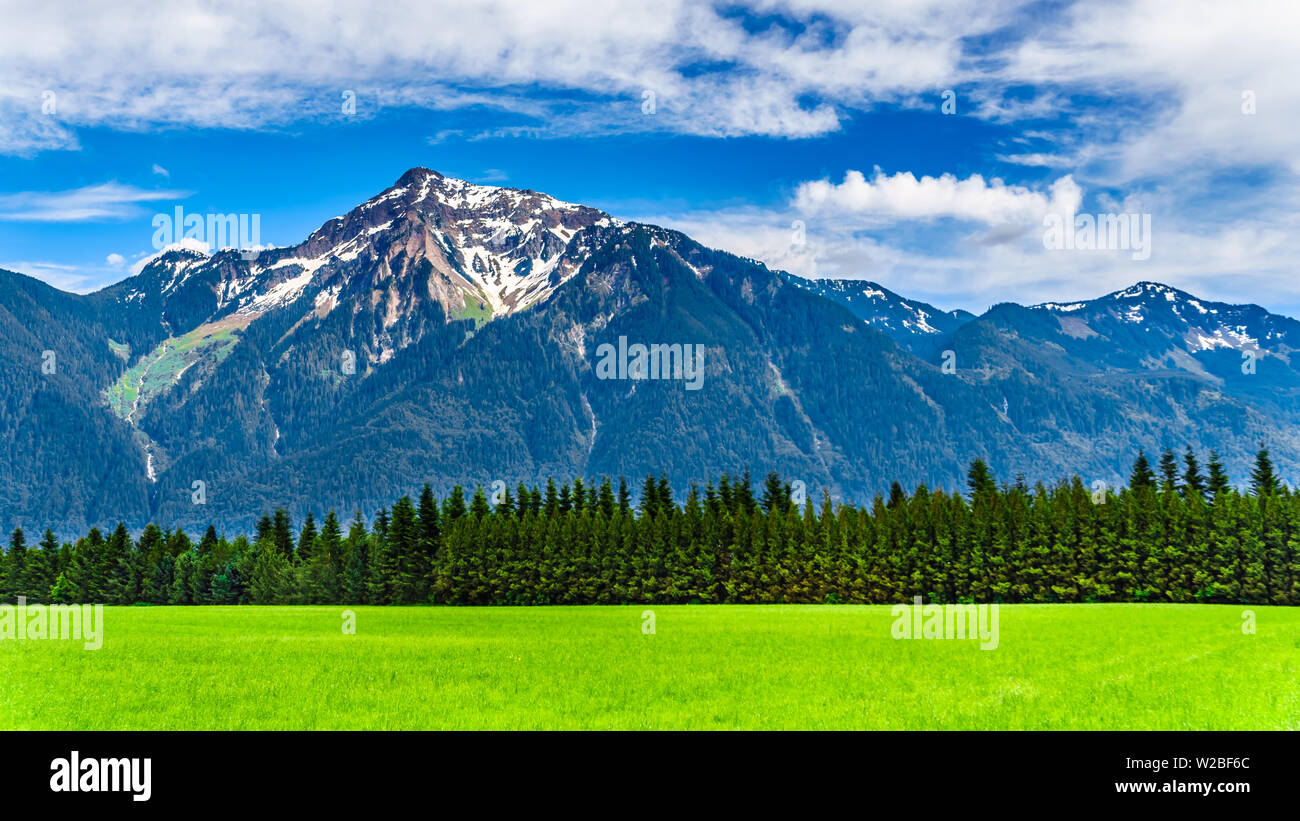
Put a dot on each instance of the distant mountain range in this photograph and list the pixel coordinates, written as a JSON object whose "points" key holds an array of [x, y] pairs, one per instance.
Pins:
{"points": [[453, 333]]}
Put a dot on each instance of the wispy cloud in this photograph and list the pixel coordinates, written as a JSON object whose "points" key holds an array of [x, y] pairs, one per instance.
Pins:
{"points": [[110, 200], [63, 277]]}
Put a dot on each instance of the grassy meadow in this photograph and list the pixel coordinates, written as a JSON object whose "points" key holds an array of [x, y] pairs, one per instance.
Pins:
{"points": [[1057, 667]]}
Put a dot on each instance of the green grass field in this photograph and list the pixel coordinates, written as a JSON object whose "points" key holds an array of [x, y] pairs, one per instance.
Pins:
{"points": [[706, 667]]}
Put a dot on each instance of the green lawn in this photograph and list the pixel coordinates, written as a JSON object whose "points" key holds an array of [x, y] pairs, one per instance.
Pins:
{"points": [[800, 666]]}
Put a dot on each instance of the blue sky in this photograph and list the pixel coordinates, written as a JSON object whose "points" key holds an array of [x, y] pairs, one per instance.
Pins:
{"points": [[812, 135]]}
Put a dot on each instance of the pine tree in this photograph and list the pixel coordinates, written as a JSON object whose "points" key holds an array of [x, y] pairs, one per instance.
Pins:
{"points": [[1168, 472], [1263, 479], [324, 571], [353, 583], [624, 496], [743, 493], [455, 505], [39, 572], [122, 573], [408, 574], [282, 533], [1193, 481], [478, 506], [14, 566], [775, 494], [1218, 483], [897, 497], [979, 481], [649, 497], [605, 499], [272, 577], [1142, 476], [307, 540]]}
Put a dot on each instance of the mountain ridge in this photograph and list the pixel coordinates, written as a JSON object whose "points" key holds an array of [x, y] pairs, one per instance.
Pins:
{"points": [[444, 331]]}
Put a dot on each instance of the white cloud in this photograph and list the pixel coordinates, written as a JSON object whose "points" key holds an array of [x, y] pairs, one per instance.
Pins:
{"points": [[967, 251], [189, 63], [904, 197], [1137, 95], [110, 200], [1154, 86], [116, 260], [160, 171], [1179, 67]]}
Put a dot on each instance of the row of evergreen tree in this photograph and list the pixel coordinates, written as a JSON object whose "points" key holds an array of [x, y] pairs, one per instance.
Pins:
{"points": [[1174, 534]]}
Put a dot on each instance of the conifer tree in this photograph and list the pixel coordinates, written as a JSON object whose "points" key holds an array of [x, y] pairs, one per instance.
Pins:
{"points": [[1193, 481], [979, 481], [430, 533], [775, 494], [1217, 483], [1142, 477], [13, 566], [479, 507], [1168, 472], [404, 560], [605, 498], [353, 584], [454, 508], [1263, 479], [624, 496], [324, 571], [649, 497]]}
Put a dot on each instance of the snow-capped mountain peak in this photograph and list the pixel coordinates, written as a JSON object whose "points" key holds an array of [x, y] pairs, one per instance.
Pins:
{"points": [[495, 250], [489, 250]]}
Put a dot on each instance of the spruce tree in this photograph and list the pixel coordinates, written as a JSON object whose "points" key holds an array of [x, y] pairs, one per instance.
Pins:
{"points": [[404, 561], [1168, 472], [282, 533], [430, 534], [775, 495], [307, 540], [624, 496], [1217, 483], [1263, 479], [979, 481], [353, 584], [603, 501], [1142, 477], [649, 497], [1193, 481], [454, 507], [326, 564], [15, 566]]}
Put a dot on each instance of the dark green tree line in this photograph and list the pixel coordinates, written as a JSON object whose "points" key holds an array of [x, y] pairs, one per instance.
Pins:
{"points": [[1175, 534]]}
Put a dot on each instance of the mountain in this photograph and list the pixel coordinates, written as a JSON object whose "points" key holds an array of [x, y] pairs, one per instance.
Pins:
{"points": [[1090, 382], [453, 333], [914, 325]]}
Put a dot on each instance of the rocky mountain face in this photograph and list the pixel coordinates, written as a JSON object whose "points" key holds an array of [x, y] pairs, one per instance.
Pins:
{"points": [[452, 333]]}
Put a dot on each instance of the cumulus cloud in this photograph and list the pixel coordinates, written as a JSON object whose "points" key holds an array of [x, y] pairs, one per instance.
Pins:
{"points": [[904, 197], [116, 260], [966, 250]]}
